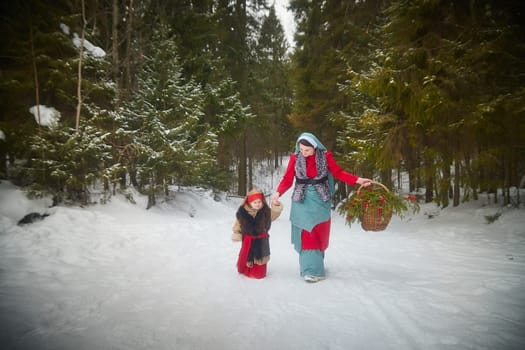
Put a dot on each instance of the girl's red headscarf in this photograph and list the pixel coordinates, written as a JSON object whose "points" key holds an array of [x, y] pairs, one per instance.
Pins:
{"points": [[250, 198]]}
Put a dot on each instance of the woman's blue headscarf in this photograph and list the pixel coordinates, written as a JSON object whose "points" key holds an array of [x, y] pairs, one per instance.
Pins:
{"points": [[310, 138]]}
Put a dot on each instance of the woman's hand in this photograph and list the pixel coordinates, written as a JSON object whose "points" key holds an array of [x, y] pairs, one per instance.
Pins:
{"points": [[364, 181], [275, 199]]}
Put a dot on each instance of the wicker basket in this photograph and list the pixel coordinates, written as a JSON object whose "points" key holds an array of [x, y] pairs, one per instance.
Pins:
{"points": [[372, 219]]}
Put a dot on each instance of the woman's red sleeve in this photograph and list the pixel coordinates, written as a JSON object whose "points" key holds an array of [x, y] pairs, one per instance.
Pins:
{"points": [[338, 172], [288, 177]]}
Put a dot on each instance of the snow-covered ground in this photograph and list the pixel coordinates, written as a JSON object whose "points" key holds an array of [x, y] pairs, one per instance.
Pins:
{"points": [[118, 276]]}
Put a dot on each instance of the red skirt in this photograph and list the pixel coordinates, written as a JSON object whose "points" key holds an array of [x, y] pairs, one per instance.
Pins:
{"points": [[256, 271], [318, 238]]}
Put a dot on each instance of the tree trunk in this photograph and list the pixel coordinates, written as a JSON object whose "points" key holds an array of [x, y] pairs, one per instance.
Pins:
{"points": [[457, 177], [413, 172], [114, 45], [133, 177], [507, 156], [386, 177], [81, 54], [151, 192], [250, 173], [122, 179], [429, 180], [35, 75], [444, 185], [241, 191], [129, 30], [473, 178]]}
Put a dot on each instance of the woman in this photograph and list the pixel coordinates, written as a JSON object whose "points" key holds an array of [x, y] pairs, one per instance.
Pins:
{"points": [[313, 168]]}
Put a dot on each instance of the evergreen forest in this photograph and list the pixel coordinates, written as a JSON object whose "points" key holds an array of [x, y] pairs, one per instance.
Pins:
{"points": [[149, 94]]}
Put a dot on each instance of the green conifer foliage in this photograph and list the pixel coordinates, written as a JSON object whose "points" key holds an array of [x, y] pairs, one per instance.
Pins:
{"points": [[174, 144], [440, 85]]}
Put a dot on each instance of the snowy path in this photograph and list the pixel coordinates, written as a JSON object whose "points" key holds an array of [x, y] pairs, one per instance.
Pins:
{"points": [[120, 277]]}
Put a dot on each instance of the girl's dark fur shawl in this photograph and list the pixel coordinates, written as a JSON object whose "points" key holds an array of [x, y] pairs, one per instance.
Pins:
{"points": [[254, 225]]}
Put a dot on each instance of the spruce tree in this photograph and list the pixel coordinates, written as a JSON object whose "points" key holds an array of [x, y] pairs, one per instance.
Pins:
{"points": [[272, 92], [174, 144]]}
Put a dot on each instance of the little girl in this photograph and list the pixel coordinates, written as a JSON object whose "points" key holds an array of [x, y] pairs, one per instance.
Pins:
{"points": [[254, 218]]}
